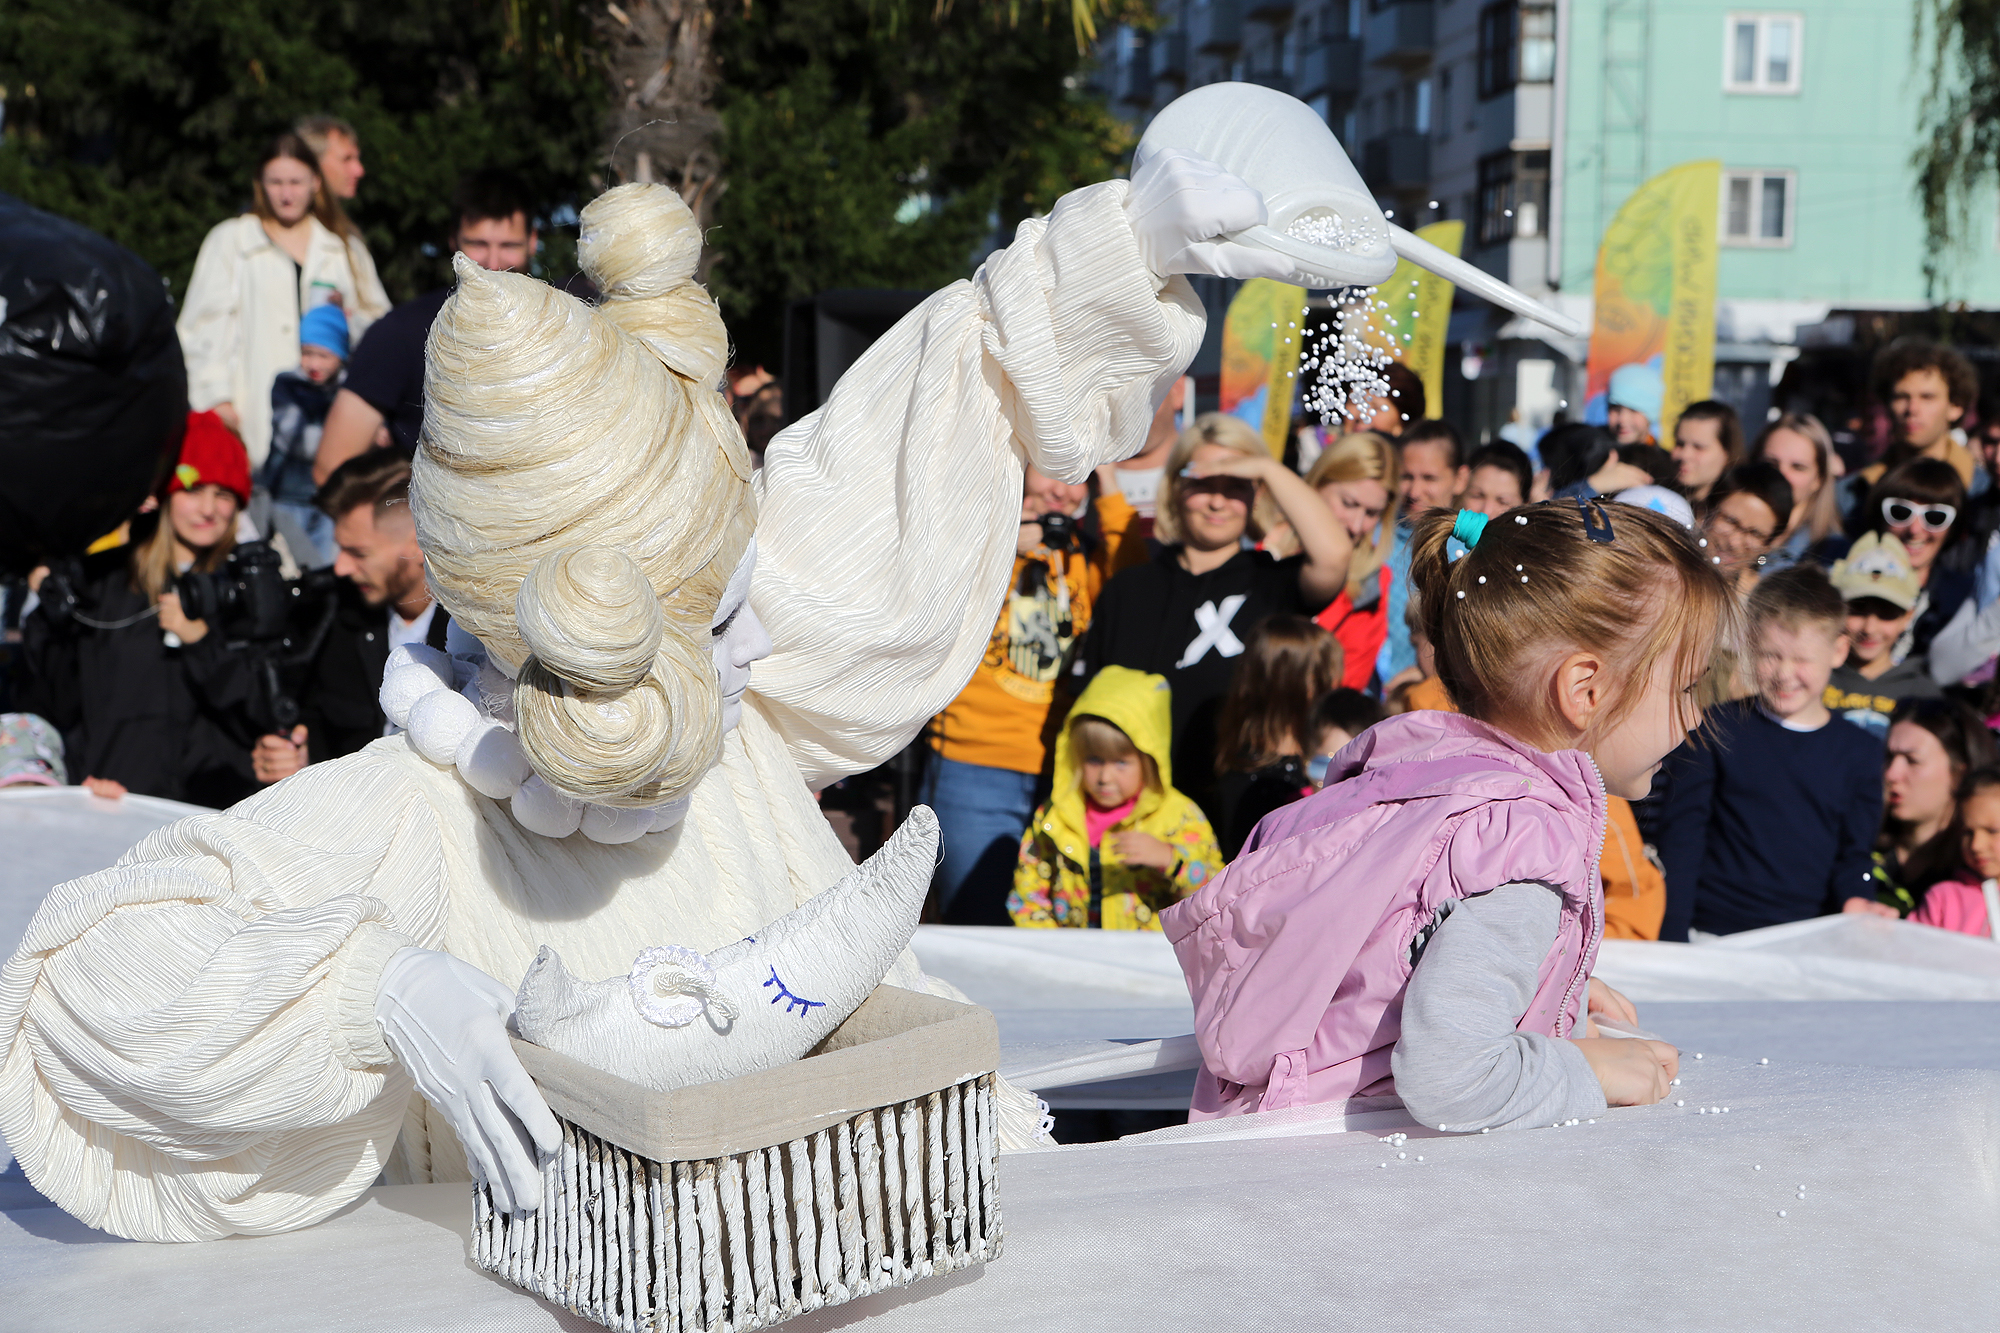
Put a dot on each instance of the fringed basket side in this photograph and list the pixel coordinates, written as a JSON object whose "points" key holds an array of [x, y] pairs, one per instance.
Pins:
{"points": [[878, 1200]]}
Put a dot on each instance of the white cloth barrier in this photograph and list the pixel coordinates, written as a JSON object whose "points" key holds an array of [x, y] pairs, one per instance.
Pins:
{"points": [[1269, 1223], [52, 834]]}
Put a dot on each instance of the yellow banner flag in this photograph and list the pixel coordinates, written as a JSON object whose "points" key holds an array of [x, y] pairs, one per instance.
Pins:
{"points": [[1260, 357], [1655, 295], [1413, 327]]}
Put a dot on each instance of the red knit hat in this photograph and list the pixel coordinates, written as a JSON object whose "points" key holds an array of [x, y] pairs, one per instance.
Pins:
{"points": [[211, 453]]}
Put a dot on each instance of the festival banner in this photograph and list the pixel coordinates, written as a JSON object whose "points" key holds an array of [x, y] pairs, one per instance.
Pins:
{"points": [[1655, 298], [1412, 328], [1260, 357]]}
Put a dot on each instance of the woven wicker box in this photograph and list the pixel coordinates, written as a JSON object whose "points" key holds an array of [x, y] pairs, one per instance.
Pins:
{"points": [[739, 1204]]}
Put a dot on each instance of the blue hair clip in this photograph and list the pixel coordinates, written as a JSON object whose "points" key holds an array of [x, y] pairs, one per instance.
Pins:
{"points": [[1468, 527], [1596, 522]]}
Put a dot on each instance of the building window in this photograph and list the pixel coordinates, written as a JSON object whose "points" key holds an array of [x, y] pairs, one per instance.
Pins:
{"points": [[1757, 207], [1760, 53], [1517, 44], [1513, 198]]}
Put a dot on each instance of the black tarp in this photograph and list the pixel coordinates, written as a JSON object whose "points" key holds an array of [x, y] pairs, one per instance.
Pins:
{"points": [[93, 391]]}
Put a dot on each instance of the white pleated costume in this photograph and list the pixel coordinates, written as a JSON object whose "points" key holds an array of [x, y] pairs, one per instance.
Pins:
{"points": [[190, 1046]]}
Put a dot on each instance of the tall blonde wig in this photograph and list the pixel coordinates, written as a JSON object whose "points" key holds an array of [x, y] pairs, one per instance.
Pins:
{"points": [[1363, 455], [1232, 433], [582, 495]]}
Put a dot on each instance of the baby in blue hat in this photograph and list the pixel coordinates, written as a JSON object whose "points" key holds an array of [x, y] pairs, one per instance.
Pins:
{"points": [[300, 400]]}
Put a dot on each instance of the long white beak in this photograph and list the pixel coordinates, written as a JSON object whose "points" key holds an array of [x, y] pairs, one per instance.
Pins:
{"points": [[1479, 282]]}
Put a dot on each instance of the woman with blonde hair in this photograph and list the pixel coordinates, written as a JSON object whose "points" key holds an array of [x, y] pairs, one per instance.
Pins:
{"points": [[592, 768], [1187, 613], [1800, 447], [148, 699], [1357, 477], [255, 278]]}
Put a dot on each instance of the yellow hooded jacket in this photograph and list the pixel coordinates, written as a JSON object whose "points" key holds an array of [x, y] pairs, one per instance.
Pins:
{"points": [[1052, 880]]}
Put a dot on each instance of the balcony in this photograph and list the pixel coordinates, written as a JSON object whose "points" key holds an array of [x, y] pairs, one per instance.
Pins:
{"points": [[1134, 81], [1268, 11], [1402, 33], [1398, 160], [1331, 70], [1168, 53], [1216, 28]]}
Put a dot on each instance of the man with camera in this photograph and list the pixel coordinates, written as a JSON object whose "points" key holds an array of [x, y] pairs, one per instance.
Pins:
{"points": [[380, 602], [990, 746]]}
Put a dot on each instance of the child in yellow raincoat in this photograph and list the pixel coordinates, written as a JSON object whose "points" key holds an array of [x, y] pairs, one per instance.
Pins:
{"points": [[1115, 843]]}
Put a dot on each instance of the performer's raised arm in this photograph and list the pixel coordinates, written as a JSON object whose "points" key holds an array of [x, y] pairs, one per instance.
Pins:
{"points": [[887, 519]]}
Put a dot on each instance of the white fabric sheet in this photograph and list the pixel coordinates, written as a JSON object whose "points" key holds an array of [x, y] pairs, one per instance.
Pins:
{"points": [[1295, 1228]]}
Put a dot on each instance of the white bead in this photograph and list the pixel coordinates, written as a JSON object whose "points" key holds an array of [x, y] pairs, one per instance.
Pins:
{"points": [[1680, 1103], [1401, 1156], [1441, 1129], [1482, 578], [612, 824], [1697, 1055], [540, 808], [1522, 519], [1385, 1166], [1485, 1131], [402, 686], [1781, 1212], [1461, 592], [1676, 1083], [438, 722], [491, 761], [1725, 1110], [1592, 1121], [1765, 1061], [1524, 578], [1701, 1110], [1756, 1168], [1420, 1157]]}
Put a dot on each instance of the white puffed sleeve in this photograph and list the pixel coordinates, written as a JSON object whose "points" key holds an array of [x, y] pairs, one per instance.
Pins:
{"points": [[888, 518], [210, 322], [190, 1047]]}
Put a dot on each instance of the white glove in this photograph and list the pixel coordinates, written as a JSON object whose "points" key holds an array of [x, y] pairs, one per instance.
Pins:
{"points": [[1181, 202], [447, 1022]]}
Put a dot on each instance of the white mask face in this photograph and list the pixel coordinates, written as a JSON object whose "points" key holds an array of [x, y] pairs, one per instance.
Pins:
{"points": [[740, 639]]}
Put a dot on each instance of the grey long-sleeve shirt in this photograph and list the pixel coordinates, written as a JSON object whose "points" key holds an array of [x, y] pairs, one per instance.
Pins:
{"points": [[1460, 1063]]}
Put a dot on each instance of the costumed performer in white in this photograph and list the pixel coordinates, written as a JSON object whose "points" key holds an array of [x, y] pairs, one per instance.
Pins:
{"points": [[219, 1034]]}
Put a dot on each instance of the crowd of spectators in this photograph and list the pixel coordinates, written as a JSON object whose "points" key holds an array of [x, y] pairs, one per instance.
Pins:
{"points": [[1268, 603], [1185, 641]]}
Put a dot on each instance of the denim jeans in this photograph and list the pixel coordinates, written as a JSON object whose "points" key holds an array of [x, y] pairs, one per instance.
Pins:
{"points": [[982, 813]]}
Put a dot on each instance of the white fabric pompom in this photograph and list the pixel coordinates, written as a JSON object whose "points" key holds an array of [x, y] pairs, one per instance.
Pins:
{"points": [[610, 823], [491, 762], [540, 808], [423, 655], [438, 722], [404, 684], [670, 814]]}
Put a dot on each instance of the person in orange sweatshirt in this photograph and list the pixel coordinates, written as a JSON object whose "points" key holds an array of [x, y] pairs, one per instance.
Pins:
{"points": [[990, 746]]}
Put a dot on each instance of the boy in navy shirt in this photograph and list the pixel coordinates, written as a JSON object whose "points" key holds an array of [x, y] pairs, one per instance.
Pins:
{"points": [[1771, 813]]}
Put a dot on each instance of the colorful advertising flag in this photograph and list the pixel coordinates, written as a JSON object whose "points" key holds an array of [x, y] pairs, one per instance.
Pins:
{"points": [[1655, 305], [1412, 329], [1260, 357]]}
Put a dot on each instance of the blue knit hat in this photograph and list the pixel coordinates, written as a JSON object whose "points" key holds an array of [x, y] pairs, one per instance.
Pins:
{"points": [[325, 326]]}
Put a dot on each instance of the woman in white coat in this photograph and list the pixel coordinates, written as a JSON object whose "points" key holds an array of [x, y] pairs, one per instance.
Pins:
{"points": [[257, 274], [215, 1035]]}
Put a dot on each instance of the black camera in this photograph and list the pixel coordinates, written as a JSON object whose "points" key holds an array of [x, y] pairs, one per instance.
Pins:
{"points": [[1059, 532], [282, 621]]}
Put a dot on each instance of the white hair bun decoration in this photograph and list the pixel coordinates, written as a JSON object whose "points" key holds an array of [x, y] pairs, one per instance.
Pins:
{"points": [[456, 711], [439, 722], [542, 809]]}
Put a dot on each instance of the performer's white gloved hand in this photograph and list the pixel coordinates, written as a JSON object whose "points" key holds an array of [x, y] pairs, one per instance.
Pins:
{"points": [[447, 1022], [1181, 204]]}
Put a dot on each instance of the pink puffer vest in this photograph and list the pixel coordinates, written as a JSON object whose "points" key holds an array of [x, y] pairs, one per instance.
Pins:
{"points": [[1297, 954]]}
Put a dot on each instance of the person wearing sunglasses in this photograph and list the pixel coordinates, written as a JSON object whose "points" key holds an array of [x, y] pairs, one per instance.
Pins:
{"points": [[1747, 513], [1922, 504]]}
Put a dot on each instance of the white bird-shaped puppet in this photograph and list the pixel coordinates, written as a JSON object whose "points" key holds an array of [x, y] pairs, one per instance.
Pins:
{"points": [[680, 1018]]}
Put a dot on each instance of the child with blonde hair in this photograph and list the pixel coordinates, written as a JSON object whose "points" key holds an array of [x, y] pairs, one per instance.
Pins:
{"points": [[1426, 925], [1115, 844]]}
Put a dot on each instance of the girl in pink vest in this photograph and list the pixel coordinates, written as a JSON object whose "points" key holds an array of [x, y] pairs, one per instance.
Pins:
{"points": [[1425, 925]]}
